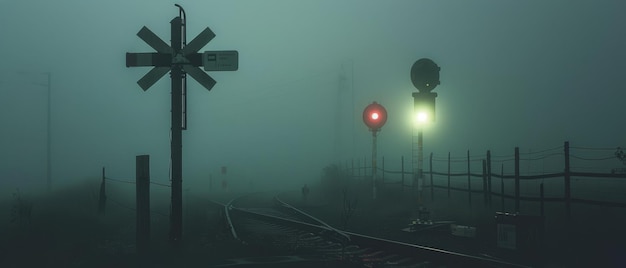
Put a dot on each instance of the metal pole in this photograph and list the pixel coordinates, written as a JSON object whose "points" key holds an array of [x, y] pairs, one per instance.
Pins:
{"points": [[383, 177], [420, 164], [432, 187], [402, 167], [176, 218], [374, 163], [49, 136]]}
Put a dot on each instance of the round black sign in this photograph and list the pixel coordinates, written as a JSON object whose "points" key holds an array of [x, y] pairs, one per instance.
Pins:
{"points": [[425, 74]]}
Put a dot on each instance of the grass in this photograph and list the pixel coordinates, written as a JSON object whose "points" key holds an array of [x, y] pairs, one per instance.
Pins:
{"points": [[66, 231]]}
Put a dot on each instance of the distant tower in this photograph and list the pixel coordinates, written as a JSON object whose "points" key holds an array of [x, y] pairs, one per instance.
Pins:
{"points": [[344, 119]]}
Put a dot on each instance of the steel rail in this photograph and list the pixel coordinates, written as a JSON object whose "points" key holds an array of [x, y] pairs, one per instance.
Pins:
{"points": [[365, 242]]}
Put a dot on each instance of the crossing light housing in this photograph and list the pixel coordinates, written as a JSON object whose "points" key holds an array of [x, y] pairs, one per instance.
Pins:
{"points": [[374, 116], [424, 107]]}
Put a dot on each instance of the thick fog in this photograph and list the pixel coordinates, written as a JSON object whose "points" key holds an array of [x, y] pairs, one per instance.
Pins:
{"points": [[531, 74]]}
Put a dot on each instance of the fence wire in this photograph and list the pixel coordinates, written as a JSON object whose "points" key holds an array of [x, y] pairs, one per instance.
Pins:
{"points": [[577, 171], [133, 182]]}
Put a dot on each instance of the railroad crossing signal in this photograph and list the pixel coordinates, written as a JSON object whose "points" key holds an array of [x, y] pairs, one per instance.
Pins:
{"points": [[180, 59], [165, 58]]}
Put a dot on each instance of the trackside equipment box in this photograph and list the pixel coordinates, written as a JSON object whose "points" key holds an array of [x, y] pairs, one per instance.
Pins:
{"points": [[519, 232]]}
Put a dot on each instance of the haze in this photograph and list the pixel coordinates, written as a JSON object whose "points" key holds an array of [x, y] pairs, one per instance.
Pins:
{"points": [[513, 73]]}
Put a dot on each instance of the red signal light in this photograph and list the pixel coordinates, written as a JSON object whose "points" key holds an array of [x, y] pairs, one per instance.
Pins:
{"points": [[374, 116]]}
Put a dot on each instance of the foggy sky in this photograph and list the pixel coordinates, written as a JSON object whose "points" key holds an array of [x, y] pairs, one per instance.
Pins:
{"points": [[514, 73]]}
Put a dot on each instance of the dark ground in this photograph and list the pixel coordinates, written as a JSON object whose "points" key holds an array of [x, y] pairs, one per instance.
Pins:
{"points": [[65, 230], [593, 237]]}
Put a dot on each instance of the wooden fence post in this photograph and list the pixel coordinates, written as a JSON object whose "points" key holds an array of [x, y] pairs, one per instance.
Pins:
{"points": [[516, 179], [432, 187], [448, 175], [352, 169], [364, 167], [358, 168], [383, 171], [502, 185], [402, 187], [469, 182], [489, 177], [485, 193], [567, 182], [541, 198], [143, 202], [102, 198]]}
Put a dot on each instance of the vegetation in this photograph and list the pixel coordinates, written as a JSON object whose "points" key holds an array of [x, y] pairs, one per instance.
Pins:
{"points": [[21, 209], [349, 206], [333, 181]]}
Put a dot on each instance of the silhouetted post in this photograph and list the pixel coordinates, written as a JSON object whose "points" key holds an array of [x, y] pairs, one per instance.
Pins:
{"points": [[469, 182], [485, 198], [432, 187], [352, 169], [541, 198], [365, 167], [516, 179], [419, 181], [358, 168], [448, 174], [402, 167], [176, 144], [567, 182], [502, 185], [489, 177], [210, 182], [383, 171], [49, 135], [143, 202], [373, 168], [102, 199]]}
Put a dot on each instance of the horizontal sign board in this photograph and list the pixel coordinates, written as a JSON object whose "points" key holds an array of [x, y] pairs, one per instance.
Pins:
{"points": [[220, 60]]}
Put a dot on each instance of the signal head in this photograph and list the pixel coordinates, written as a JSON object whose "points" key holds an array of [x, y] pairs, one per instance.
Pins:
{"points": [[374, 116]]}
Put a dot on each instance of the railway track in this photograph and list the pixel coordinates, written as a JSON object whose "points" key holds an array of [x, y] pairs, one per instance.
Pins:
{"points": [[294, 238]]}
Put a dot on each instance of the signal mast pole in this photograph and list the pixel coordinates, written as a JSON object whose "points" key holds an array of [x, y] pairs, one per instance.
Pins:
{"points": [[374, 117], [425, 77], [374, 179]]}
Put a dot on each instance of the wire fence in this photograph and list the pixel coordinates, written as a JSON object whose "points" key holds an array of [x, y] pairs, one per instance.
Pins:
{"points": [[597, 175], [104, 196]]}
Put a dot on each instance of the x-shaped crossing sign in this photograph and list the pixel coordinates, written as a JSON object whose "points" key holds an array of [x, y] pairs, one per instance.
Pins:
{"points": [[187, 58]]}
